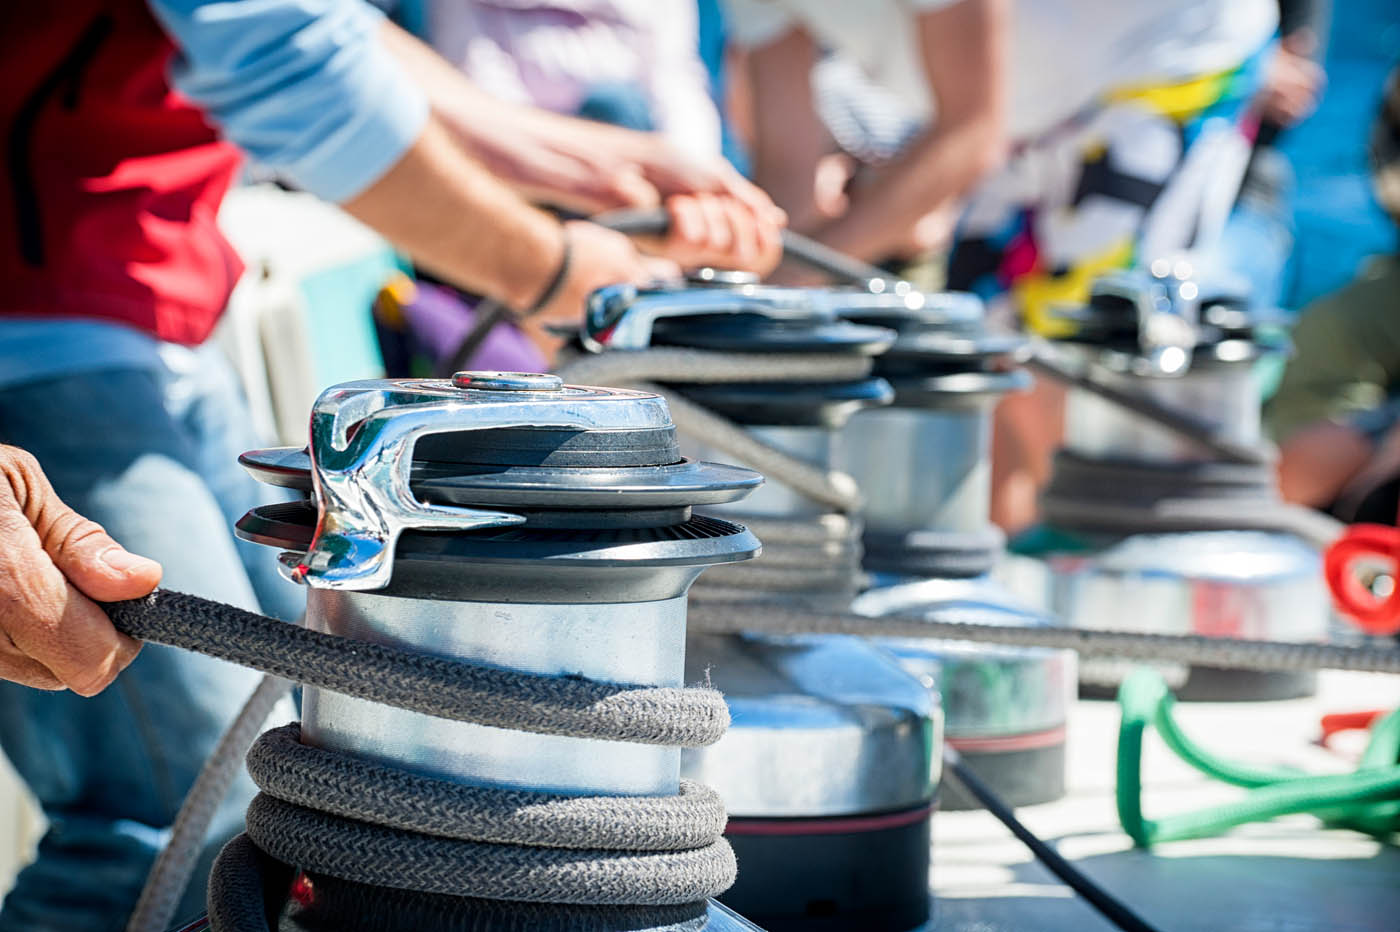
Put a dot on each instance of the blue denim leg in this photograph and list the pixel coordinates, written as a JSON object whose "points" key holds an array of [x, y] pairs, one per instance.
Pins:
{"points": [[110, 771], [204, 398]]}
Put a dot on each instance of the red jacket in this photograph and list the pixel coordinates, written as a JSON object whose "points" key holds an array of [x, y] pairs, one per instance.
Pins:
{"points": [[111, 181]]}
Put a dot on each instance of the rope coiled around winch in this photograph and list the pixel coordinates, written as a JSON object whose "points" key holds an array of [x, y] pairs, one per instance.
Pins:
{"points": [[1123, 496], [243, 876], [437, 686], [364, 823], [357, 788]]}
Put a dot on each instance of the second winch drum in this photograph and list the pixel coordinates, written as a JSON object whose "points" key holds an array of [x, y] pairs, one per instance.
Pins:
{"points": [[924, 464], [830, 766]]}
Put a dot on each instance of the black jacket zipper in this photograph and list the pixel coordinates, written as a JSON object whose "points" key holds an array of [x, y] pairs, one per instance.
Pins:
{"points": [[69, 72]]}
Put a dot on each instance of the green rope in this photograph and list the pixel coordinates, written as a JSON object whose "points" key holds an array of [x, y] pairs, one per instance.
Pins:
{"points": [[1366, 800]]}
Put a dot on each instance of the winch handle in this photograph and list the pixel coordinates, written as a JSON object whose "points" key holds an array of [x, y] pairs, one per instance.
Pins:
{"points": [[654, 221]]}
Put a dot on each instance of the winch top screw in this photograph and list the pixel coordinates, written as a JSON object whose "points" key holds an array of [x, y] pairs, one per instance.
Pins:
{"points": [[509, 381]]}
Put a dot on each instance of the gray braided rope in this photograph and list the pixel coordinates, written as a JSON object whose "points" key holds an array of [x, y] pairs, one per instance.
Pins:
{"points": [[242, 875], [170, 875], [451, 689], [690, 365], [711, 616], [369, 824], [355, 788], [372, 854]]}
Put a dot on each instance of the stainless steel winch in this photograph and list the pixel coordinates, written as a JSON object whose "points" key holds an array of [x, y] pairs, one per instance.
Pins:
{"points": [[512, 521], [924, 466], [829, 767], [1147, 529]]}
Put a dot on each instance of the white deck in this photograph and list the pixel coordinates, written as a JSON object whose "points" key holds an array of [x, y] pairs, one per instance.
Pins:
{"points": [[1286, 876]]}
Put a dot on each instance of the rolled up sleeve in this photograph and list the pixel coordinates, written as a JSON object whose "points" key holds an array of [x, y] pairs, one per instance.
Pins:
{"points": [[303, 86]]}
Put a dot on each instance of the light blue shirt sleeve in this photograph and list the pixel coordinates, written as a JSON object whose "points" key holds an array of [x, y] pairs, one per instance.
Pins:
{"points": [[303, 86]]}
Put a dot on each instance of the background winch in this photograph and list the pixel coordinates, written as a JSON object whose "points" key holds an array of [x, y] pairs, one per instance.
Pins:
{"points": [[829, 768], [1173, 531], [924, 464]]}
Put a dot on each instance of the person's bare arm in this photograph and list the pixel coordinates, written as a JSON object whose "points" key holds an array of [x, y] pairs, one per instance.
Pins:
{"points": [[54, 566], [452, 216], [964, 50], [789, 139], [718, 216]]}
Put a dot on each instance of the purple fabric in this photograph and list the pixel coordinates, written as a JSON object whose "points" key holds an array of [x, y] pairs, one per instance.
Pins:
{"points": [[440, 320]]}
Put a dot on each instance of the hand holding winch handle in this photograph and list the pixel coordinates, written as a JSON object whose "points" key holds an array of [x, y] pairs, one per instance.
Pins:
{"points": [[656, 222]]}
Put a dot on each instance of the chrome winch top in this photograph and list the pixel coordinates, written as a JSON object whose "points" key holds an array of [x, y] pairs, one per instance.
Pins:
{"points": [[1160, 321], [1165, 476], [391, 456], [736, 316]]}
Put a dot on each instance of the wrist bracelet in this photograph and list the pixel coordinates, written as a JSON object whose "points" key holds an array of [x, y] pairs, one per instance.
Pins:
{"points": [[556, 284]]}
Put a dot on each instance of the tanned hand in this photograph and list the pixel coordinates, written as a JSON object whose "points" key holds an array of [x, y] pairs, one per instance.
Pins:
{"points": [[55, 565]]}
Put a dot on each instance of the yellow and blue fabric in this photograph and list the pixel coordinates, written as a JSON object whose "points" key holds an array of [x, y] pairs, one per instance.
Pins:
{"points": [[1124, 178]]}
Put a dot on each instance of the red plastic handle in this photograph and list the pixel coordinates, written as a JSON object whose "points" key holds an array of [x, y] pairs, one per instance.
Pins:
{"points": [[1373, 543], [1336, 722]]}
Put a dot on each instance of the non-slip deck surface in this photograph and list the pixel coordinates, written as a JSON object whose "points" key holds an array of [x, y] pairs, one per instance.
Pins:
{"points": [[1287, 876]]}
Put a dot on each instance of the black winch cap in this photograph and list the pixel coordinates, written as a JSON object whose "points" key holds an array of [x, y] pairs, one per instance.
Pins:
{"points": [[934, 332], [759, 333], [790, 404], [942, 388], [534, 446]]}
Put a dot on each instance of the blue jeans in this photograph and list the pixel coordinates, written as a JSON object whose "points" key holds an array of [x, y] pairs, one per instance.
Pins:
{"points": [[151, 456]]}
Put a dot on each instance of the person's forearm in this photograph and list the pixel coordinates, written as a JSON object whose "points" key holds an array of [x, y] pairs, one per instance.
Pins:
{"points": [[964, 52], [547, 157], [454, 218], [933, 173], [451, 95], [479, 116]]}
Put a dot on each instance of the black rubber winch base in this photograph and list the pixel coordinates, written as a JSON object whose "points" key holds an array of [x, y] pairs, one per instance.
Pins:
{"points": [[934, 554], [832, 875], [1020, 777]]}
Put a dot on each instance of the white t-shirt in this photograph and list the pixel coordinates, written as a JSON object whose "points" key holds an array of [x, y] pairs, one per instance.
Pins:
{"points": [[1064, 54]]}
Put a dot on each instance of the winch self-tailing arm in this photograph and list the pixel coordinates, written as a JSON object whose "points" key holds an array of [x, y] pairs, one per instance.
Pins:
{"points": [[362, 440]]}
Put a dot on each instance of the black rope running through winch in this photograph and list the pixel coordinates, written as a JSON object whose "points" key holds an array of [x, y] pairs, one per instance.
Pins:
{"points": [[1109, 906]]}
